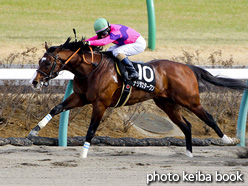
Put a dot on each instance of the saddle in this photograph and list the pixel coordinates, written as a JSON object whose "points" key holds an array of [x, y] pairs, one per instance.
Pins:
{"points": [[146, 80]]}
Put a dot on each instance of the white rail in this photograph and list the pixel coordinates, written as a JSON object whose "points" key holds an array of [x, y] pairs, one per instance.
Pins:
{"points": [[27, 74]]}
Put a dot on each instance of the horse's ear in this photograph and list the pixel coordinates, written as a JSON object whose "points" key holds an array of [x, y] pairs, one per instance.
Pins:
{"points": [[46, 47]]}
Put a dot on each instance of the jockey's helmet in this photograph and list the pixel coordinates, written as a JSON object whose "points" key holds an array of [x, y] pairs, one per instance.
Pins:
{"points": [[101, 25]]}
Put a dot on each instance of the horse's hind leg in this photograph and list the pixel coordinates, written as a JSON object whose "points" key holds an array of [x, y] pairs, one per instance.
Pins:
{"points": [[209, 120], [172, 110]]}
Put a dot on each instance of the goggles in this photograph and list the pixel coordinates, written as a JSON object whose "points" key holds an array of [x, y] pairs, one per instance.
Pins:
{"points": [[103, 34]]}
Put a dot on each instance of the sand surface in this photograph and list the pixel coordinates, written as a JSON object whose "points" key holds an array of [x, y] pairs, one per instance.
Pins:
{"points": [[112, 166]]}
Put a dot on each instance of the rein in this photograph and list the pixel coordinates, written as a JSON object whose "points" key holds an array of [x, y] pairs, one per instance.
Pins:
{"points": [[92, 57], [68, 60], [97, 66]]}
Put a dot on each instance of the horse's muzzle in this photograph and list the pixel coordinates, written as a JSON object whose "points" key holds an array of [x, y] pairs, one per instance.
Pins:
{"points": [[36, 85]]}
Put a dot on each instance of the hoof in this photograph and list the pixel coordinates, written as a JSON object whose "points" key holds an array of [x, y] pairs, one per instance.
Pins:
{"points": [[83, 155], [227, 140], [32, 133], [189, 154]]}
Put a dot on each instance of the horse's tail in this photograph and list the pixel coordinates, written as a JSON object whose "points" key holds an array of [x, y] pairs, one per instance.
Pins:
{"points": [[204, 76]]}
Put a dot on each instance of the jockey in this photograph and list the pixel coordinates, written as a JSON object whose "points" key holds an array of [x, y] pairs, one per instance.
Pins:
{"points": [[127, 42]]}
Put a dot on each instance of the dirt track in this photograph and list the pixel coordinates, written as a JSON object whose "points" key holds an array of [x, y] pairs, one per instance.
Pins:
{"points": [[111, 166]]}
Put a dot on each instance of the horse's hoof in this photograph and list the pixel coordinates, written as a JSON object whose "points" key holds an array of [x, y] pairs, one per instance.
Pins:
{"points": [[189, 154], [227, 140], [32, 133]]}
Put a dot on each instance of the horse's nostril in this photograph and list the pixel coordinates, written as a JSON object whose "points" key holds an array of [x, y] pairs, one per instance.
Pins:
{"points": [[35, 83]]}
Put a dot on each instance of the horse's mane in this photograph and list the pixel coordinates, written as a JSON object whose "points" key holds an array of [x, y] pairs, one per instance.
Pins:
{"points": [[74, 45]]}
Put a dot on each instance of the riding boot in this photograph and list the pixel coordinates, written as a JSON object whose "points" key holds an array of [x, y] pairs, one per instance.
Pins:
{"points": [[132, 73]]}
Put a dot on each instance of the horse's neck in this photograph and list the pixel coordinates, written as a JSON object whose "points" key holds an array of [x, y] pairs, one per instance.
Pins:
{"points": [[77, 66], [81, 66]]}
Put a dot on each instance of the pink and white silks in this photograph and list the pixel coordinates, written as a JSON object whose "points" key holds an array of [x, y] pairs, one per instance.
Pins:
{"points": [[127, 41]]}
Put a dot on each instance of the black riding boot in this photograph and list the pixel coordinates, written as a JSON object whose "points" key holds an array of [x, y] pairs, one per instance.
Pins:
{"points": [[132, 73]]}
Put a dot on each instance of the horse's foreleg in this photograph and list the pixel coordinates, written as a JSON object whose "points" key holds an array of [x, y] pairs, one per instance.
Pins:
{"points": [[97, 113], [71, 102]]}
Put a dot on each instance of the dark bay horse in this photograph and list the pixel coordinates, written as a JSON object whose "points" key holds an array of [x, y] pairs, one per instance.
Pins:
{"points": [[96, 82]]}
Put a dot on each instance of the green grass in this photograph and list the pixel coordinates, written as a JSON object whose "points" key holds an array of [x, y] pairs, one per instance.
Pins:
{"points": [[202, 21], [179, 22]]}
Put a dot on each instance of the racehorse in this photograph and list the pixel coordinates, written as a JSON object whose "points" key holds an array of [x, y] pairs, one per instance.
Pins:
{"points": [[96, 82]]}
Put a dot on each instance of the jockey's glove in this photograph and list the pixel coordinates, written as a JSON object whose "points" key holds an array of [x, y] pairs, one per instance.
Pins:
{"points": [[87, 42]]}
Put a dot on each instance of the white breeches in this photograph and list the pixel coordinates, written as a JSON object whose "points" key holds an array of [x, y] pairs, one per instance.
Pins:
{"points": [[129, 49]]}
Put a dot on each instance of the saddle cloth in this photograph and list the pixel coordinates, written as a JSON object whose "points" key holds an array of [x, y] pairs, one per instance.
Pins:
{"points": [[146, 80]]}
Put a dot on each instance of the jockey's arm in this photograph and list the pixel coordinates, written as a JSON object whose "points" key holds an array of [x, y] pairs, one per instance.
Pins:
{"points": [[105, 41]]}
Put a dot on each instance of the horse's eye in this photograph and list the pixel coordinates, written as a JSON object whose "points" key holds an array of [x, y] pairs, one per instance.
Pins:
{"points": [[45, 61], [48, 63]]}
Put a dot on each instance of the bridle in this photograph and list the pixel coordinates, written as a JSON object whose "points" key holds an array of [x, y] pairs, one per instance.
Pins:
{"points": [[51, 74]]}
